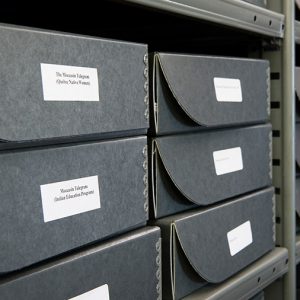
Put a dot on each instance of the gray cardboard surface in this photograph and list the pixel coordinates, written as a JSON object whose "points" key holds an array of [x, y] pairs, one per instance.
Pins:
{"points": [[26, 238], [184, 97], [128, 265], [184, 173], [122, 77], [196, 247]]}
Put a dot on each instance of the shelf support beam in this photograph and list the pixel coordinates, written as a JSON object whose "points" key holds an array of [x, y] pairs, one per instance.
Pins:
{"points": [[288, 117]]}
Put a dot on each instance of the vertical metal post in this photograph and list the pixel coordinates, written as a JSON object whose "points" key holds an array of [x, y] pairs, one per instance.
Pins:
{"points": [[288, 147]]}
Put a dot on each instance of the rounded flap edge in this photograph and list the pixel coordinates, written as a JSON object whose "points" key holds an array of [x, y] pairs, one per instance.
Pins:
{"points": [[178, 97], [220, 241], [163, 156], [192, 249]]}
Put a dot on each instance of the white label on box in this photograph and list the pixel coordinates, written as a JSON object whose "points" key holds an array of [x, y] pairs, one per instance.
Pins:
{"points": [[239, 238], [228, 160], [68, 83], [100, 293], [228, 90], [71, 197]]}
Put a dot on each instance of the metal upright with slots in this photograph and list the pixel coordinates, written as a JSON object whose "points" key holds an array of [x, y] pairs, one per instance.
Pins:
{"points": [[297, 41]]}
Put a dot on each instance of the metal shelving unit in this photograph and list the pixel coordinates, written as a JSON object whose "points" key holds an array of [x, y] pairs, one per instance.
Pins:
{"points": [[288, 147], [297, 41], [279, 29], [232, 13], [250, 281]]}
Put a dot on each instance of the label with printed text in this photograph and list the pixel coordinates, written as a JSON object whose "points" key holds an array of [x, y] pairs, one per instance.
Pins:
{"points": [[100, 293], [71, 197], [68, 83]]}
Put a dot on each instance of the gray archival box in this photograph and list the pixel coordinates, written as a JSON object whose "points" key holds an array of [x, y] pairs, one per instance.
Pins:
{"points": [[59, 85], [127, 267], [210, 245], [184, 167], [190, 92], [59, 198]]}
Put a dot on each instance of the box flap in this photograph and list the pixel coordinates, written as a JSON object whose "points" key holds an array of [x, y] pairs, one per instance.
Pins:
{"points": [[203, 235], [184, 277], [164, 188], [171, 252], [189, 162], [191, 82]]}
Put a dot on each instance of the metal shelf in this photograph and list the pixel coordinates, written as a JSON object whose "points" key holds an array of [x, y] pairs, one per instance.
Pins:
{"points": [[297, 32], [297, 249], [250, 281], [234, 13]]}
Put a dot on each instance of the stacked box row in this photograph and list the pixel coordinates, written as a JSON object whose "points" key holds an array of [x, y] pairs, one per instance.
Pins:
{"points": [[74, 170], [75, 165], [210, 167]]}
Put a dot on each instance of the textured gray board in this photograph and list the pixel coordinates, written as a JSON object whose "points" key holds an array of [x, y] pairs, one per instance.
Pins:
{"points": [[297, 98], [195, 246], [127, 264], [248, 282], [184, 174], [121, 169], [184, 96], [122, 75]]}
